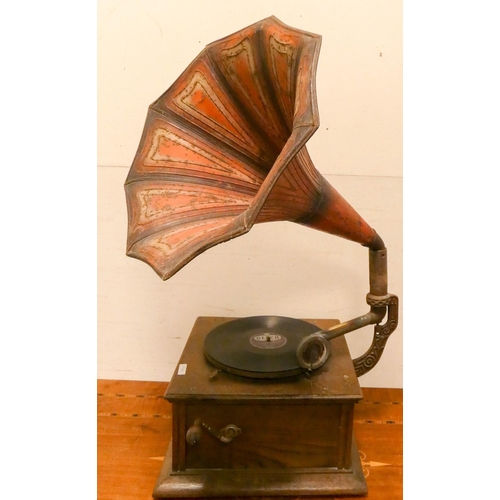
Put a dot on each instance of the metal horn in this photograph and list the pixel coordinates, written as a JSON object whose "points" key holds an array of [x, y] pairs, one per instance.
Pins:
{"points": [[224, 148]]}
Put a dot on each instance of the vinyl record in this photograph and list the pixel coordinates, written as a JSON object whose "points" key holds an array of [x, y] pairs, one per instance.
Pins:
{"points": [[258, 346]]}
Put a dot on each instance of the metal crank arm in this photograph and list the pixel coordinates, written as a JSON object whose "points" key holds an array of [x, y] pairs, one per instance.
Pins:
{"points": [[225, 435]]}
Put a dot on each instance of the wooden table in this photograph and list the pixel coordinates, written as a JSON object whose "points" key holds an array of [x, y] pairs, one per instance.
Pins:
{"points": [[134, 430]]}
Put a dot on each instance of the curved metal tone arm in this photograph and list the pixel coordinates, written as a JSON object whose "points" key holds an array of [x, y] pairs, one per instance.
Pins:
{"points": [[314, 349]]}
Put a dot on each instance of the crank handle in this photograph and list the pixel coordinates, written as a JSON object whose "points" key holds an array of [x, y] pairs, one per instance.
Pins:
{"points": [[225, 435]]}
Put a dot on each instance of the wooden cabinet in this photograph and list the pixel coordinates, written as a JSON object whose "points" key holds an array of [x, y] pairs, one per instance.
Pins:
{"points": [[239, 436]]}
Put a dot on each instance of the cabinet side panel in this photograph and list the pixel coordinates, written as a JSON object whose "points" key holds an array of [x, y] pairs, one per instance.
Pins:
{"points": [[178, 436]]}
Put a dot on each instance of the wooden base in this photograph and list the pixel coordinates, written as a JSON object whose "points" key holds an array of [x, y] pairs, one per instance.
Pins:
{"points": [[272, 482]]}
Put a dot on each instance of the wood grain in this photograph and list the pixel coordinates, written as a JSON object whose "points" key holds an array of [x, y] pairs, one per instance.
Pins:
{"points": [[134, 430]]}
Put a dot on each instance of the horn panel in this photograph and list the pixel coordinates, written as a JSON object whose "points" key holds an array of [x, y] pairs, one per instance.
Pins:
{"points": [[224, 148]]}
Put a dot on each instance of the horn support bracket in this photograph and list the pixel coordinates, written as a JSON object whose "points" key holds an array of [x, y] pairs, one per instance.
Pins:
{"points": [[313, 350]]}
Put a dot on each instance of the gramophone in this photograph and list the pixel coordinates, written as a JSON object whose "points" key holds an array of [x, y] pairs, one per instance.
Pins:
{"points": [[261, 405]]}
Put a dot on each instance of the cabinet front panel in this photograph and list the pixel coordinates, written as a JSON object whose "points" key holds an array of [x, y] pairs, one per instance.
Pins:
{"points": [[272, 436]]}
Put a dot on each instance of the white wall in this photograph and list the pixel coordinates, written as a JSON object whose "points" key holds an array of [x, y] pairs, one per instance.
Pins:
{"points": [[278, 268]]}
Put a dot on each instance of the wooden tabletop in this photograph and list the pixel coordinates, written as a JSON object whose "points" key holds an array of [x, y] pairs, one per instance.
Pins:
{"points": [[134, 430]]}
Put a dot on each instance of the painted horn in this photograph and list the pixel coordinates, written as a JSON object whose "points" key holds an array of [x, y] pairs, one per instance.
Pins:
{"points": [[224, 148]]}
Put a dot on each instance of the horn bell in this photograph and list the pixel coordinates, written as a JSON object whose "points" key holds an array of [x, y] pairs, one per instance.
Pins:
{"points": [[224, 148]]}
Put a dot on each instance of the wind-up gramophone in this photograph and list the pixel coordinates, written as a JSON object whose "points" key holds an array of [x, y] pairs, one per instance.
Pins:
{"points": [[261, 405]]}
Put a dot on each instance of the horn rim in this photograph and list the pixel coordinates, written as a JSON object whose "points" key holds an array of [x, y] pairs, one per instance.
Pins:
{"points": [[305, 123]]}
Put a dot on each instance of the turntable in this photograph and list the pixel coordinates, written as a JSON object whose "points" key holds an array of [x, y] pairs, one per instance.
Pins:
{"points": [[261, 405]]}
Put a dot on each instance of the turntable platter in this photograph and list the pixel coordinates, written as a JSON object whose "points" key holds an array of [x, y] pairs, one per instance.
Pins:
{"points": [[258, 346]]}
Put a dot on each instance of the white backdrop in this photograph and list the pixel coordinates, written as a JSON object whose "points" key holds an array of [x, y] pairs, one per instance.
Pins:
{"points": [[278, 268]]}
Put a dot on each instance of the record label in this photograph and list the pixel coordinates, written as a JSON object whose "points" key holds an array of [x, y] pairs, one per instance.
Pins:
{"points": [[268, 340]]}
